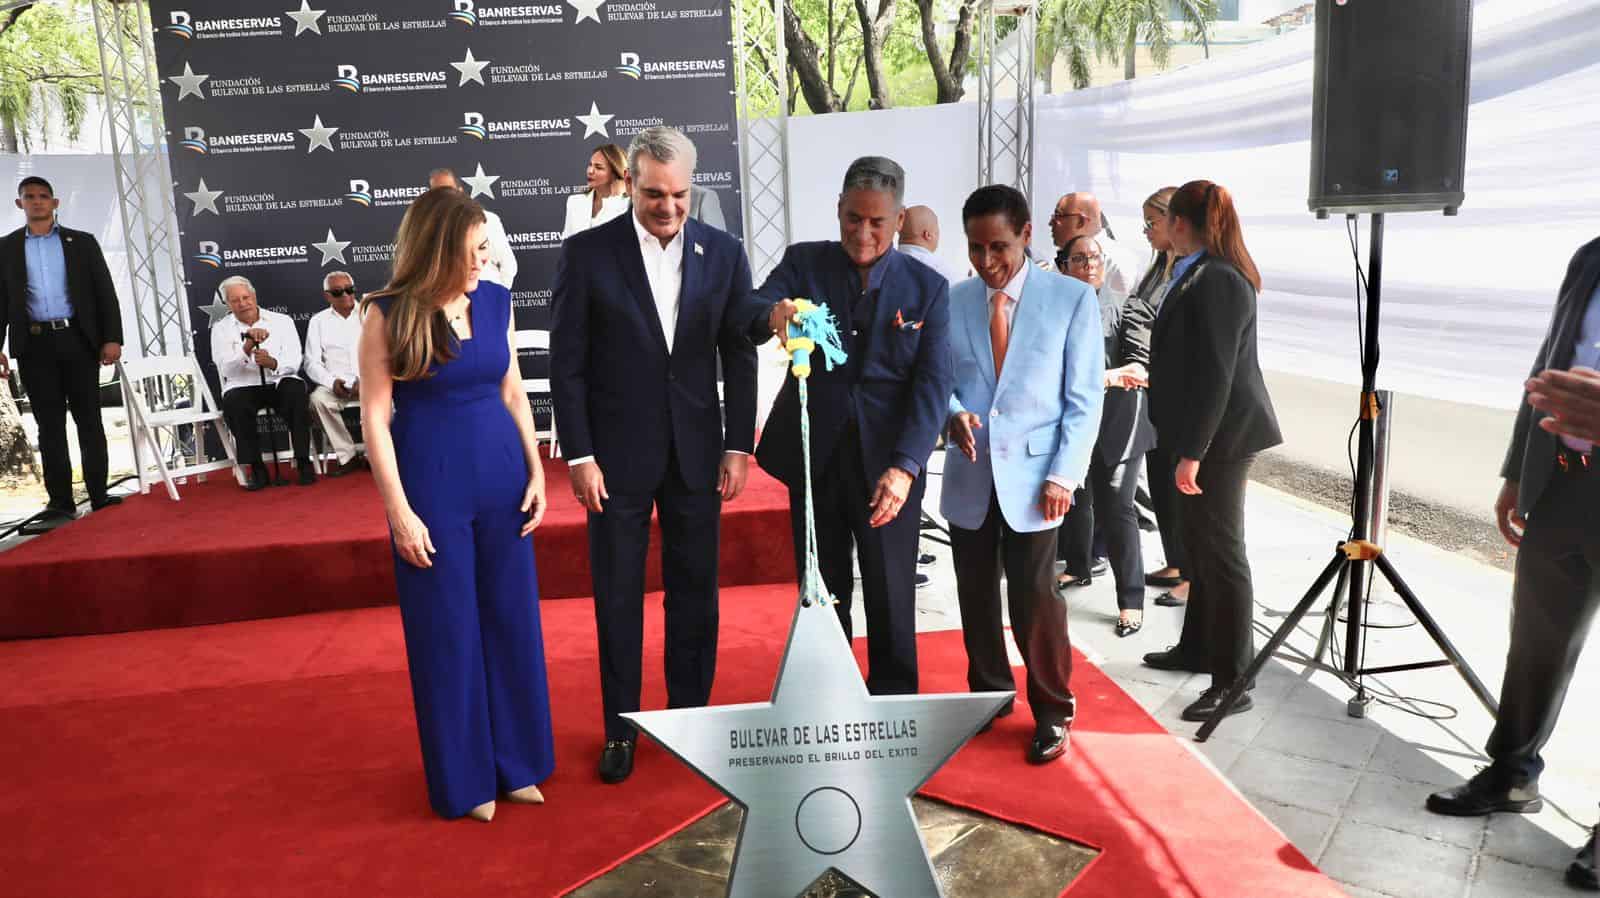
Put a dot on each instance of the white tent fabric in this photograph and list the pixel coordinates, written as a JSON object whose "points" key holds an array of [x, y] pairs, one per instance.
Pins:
{"points": [[1465, 299]]}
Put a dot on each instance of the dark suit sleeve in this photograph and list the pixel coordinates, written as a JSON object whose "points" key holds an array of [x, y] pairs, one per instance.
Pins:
{"points": [[6, 298], [569, 354], [1512, 468], [105, 294], [738, 362], [1216, 326], [785, 282], [1138, 319], [932, 384]]}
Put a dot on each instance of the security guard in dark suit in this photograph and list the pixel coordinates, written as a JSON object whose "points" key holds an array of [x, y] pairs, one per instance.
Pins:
{"points": [[60, 309]]}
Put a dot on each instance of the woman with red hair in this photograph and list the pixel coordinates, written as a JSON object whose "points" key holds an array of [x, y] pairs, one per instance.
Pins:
{"points": [[1212, 413]]}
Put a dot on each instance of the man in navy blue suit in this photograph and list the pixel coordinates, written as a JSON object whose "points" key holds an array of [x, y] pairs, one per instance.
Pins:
{"points": [[644, 307], [875, 419]]}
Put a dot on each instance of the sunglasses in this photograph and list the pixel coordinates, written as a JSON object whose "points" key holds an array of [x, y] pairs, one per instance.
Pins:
{"points": [[342, 291]]}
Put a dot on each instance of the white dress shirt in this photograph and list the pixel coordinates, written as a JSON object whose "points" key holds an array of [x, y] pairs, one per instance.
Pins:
{"points": [[502, 267], [578, 217], [331, 341], [663, 268], [236, 369], [927, 257], [1013, 289]]}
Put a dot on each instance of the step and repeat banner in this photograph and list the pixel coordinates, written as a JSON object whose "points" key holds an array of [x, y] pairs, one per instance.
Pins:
{"points": [[297, 137]]}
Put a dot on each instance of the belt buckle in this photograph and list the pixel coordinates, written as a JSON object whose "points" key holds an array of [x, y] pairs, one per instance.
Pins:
{"points": [[59, 324]]}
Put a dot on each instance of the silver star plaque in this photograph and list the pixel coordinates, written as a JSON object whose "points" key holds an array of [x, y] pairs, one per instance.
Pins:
{"points": [[824, 771]]}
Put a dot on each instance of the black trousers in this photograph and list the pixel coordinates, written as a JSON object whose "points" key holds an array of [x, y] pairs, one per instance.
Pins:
{"points": [[1217, 624], [1164, 497], [60, 372], [1038, 613], [619, 539], [888, 557], [241, 404], [1109, 507], [1553, 601]]}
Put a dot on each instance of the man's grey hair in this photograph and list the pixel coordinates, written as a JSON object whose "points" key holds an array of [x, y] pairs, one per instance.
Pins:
{"points": [[327, 279], [662, 144], [237, 280], [876, 173], [450, 172]]}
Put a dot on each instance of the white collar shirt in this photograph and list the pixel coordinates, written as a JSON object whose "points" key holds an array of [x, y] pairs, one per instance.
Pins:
{"points": [[1013, 289], [331, 341], [236, 369], [663, 268]]}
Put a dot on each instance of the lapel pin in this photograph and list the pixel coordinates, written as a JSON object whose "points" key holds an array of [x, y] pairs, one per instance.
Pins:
{"points": [[699, 250]]}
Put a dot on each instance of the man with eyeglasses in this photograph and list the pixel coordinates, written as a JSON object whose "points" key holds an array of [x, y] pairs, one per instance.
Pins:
{"points": [[1079, 215], [330, 363]]}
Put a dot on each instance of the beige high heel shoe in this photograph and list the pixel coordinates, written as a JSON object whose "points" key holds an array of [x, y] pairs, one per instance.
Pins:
{"points": [[527, 795], [483, 812]]}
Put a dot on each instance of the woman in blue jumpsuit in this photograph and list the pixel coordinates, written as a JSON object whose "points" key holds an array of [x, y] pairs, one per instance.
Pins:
{"points": [[451, 439]]}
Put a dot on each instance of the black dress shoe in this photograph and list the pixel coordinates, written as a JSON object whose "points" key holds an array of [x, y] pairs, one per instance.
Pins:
{"points": [[104, 501], [259, 479], [1582, 873], [1049, 742], [1170, 600], [1074, 583], [307, 476], [616, 762], [1003, 712], [1151, 579], [1205, 707], [1172, 659], [1490, 789], [1101, 567], [48, 520]]}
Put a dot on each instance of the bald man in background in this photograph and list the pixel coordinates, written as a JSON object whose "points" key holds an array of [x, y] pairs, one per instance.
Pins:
{"points": [[919, 239], [1079, 214]]}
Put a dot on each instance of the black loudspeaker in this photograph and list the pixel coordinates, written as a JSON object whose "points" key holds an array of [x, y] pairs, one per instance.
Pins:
{"points": [[1389, 105]]}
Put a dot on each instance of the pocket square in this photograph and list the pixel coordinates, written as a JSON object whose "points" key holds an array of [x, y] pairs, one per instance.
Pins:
{"points": [[901, 324]]}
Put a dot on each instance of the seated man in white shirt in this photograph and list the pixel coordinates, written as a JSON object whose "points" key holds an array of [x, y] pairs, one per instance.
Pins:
{"points": [[330, 366], [257, 354]]}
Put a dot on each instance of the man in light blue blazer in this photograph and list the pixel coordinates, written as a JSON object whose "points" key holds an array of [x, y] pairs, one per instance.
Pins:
{"points": [[1029, 364]]}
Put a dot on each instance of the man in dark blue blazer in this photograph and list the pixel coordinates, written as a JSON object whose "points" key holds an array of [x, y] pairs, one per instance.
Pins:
{"points": [[644, 308], [874, 420]]}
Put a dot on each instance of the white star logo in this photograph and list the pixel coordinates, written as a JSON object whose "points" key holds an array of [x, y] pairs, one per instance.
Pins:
{"points": [[218, 309], [480, 183], [470, 69], [332, 249], [204, 200], [189, 83], [305, 18], [319, 136], [595, 123], [587, 9]]}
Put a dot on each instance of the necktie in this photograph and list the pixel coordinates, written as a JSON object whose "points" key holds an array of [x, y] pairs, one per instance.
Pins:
{"points": [[999, 330]]}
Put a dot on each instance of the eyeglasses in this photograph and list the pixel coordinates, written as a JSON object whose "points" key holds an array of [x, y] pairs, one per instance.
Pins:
{"points": [[342, 291], [1058, 215], [1080, 260], [1149, 224]]}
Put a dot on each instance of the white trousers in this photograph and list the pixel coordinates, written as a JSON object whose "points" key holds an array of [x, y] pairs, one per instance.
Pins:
{"points": [[327, 408]]}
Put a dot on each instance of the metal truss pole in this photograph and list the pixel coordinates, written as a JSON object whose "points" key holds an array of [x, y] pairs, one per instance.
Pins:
{"points": [[761, 64], [1006, 79], [144, 182]]}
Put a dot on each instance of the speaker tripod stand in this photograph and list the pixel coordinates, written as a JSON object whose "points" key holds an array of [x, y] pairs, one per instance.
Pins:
{"points": [[1352, 556]]}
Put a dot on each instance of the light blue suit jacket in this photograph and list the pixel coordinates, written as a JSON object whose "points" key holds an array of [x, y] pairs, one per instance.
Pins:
{"points": [[1042, 417]]}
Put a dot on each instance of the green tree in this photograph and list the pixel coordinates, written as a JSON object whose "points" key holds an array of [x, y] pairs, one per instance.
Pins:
{"points": [[1066, 31], [947, 76], [1119, 25], [49, 67]]}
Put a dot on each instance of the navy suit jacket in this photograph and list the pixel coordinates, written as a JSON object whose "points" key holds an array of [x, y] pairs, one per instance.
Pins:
{"points": [[618, 394], [897, 384]]}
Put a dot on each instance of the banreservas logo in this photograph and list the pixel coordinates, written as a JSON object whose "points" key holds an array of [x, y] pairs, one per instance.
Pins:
{"points": [[474, 15], [196, 140], [475, 126], [633, 66], [350, 79], [362, 193], [212, 254], [186, 27]]}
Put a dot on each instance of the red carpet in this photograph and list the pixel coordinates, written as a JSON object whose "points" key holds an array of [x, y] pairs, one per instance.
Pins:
{"points": [[222, 554], [279, 757]]}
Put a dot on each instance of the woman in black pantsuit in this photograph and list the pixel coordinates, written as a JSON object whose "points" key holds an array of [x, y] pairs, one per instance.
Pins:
{"points": [[1125, 435], [1210, 406]]}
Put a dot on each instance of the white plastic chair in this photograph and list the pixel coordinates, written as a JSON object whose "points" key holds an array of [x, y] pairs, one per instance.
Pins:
{"points": [[162, 395], [529, 340]]}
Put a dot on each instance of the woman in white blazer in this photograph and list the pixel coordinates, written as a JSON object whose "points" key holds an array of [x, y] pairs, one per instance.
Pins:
{"points": [[607, 196]]}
